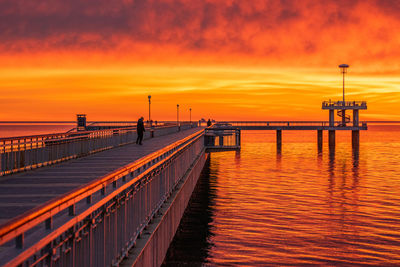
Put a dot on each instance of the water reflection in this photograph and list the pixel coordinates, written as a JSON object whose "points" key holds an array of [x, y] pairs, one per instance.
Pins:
{"points": [[356, 166], [278, 148], [343, 199], [192, 241], [331, 178], [237, 158], [339, 206]]}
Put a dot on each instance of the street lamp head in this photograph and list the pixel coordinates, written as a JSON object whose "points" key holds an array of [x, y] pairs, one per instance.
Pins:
{"points": [[149, 97], [177, 105], [343, 67]]}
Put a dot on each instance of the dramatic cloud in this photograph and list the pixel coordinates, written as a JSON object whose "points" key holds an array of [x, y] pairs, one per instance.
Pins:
{"points": [[271, 29]]}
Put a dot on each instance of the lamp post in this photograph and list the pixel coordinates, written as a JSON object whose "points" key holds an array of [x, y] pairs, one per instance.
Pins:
{"points": [[343, 68], [149, 109], [177, 114], [190, 115]]}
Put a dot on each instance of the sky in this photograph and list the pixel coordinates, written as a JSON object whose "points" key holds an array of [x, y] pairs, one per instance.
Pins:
{"points": [[224, 59]]}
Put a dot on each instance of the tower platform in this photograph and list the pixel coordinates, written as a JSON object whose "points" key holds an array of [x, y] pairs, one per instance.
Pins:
{"points": [[344, 105]]}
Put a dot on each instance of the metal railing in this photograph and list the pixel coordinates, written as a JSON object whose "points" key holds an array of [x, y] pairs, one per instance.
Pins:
{"points": [[28, 152], [97, 224], [344, 104], [132, 123], [279, 123]]}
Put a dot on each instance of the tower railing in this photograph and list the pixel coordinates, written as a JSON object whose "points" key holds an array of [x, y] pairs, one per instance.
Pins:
{"points": [[344, 104]]}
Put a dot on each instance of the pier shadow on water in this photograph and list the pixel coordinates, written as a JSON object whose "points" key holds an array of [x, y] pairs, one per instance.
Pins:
{"points": [[192, 241]]}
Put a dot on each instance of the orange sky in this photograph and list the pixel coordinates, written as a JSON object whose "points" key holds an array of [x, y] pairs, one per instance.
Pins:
{"points": [[228, 60]]}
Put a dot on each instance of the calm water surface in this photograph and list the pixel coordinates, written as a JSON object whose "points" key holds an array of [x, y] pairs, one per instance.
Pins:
{"points": [[12, 130], [298, 207]]}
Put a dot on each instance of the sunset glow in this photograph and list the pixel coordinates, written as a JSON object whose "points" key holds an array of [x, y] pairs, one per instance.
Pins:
{"points": [[227, 60]]}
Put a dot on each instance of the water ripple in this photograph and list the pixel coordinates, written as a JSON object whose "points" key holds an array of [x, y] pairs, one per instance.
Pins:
{"points": [[300, 207]]}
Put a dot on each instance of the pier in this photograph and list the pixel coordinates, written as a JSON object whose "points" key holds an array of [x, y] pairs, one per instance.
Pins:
{"points": [[92, 208], [332, 125], [95, 198]]}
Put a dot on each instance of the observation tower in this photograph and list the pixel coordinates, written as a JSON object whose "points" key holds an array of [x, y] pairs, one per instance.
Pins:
{"points": [[345, 120]]}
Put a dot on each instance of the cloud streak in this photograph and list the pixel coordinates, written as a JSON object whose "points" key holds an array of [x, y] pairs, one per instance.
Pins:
{"points": [[286, 30]]}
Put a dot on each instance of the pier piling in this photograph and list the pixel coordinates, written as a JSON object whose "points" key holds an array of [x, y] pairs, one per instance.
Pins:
{"points": [[279, 139], [331, 118], [320, 139], [355, 138], [331, 138], [355, 118]]}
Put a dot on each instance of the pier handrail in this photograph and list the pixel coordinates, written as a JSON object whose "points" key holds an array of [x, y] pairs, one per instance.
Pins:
{"points": [[27, 152], [68, 133], [19, 225], [281, 123]]}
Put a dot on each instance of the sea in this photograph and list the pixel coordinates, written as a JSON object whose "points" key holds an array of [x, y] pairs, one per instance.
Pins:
{"points": [[27, 129], [298, 206]]}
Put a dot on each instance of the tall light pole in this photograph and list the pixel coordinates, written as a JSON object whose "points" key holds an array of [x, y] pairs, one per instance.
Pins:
{"points": [[343, 68], [190, 116], [149, 109], [177, 114]]}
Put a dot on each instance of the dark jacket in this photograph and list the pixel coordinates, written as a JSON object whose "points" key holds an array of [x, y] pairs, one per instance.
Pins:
{"points": [[140, 126]]}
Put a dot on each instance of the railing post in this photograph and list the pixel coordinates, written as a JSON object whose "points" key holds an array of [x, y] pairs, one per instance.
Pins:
{"points": [[71, 210], [19, 241], [49, 223]]}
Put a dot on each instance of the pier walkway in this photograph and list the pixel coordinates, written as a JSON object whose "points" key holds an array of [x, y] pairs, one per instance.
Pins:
{"points": [[23, 191], [92, 210]]}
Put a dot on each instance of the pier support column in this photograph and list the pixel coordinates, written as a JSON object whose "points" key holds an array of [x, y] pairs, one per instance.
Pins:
{"points": [[320, 140], [343, 117], [221, 140], [331, 117], [355, 117], [279, 139], [355, 138], [238, 138], [356, 157], [331, 138]]}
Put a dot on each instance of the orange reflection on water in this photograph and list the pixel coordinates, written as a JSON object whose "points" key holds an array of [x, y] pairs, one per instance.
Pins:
{"points": [[340, 206]]}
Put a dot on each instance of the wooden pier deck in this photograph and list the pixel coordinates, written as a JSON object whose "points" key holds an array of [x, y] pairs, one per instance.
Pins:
{"points": [[23, 191]]}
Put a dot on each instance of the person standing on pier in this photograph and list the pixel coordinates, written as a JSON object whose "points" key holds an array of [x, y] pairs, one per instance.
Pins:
{"points": [[208, 123], [139, 130]]}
